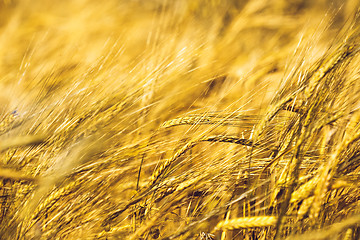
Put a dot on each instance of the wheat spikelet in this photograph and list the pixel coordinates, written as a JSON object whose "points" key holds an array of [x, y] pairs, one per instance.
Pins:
{"points": [[215, 118], [328, 171], [246, 222], [304, 190], [291, 180], [307, 189], [329, 231], [113, 231], [229, 139], [7, 122], [305, 131], [16, 175], [281, 181], [349, 234], [53, 198], [341, 54], [272, 112], [219, 138], [293, 107], [160, 170], [21, 141], [305, 206], [185, 121], [180, 187], [151, 222], [63, 131], [107, 115]]}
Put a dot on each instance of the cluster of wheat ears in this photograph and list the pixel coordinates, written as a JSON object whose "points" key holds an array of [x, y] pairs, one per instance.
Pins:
{"points": [[179, 119]]}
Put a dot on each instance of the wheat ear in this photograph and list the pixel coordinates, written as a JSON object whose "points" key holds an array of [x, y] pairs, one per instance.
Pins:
{"points": [[246, 222]]}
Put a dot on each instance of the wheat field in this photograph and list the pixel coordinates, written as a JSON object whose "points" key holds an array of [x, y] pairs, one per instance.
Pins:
{"points": [[180, 119]]}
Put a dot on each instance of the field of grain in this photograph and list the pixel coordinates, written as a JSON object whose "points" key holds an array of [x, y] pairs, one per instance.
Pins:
{"points": [[180, 119]]}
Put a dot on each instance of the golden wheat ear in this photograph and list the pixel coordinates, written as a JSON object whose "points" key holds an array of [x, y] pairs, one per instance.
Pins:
{"points": [[246, 222]]}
